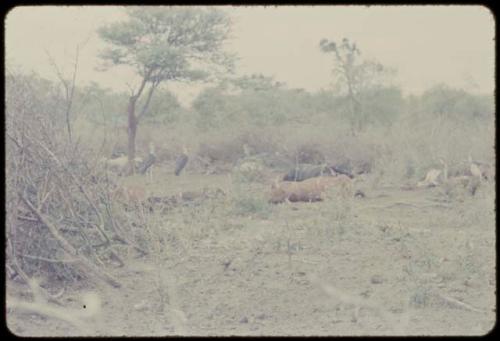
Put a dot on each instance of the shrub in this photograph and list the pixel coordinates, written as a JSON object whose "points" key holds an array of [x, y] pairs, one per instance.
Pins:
{"points": [[249, 170], [246, 204]]}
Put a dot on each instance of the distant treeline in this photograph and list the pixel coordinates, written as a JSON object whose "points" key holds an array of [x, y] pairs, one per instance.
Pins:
{"points": [[260, 101]]}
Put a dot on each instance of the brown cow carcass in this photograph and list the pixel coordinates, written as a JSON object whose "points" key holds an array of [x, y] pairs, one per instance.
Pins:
{"points": [[310, 190]]}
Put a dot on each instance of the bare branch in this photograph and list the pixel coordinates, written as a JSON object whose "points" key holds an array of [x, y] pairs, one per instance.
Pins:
{"points": [[68, 248], [148, 100]]}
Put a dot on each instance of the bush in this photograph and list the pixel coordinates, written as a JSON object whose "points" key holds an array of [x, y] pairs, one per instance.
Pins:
{"points": [[230, 148], [309, 153], [246, 203], [164, 108], [67, 216], [213, 108], [382, 104], [249, 170], [263, 141], [456, 104], [221, 151]]}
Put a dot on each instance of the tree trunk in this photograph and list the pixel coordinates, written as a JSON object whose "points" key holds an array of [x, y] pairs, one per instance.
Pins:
{"points": [[68, 126], [133, 120], [132, 130], [353, 114], [352, 104]]}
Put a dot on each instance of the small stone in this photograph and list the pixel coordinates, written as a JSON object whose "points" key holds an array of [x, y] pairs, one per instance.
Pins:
{"points": [[377, 279], [366, 293], [141, 306], [244, 319]]}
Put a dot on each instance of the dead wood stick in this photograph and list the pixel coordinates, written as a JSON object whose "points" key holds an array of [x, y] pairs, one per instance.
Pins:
{"points": [[45, 309], [457, 303], [48, 260], [81, 188], [68, 248], [120, 235]]}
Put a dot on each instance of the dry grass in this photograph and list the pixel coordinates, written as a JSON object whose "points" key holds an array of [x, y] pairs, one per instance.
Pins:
{"points": [[416, 252]]}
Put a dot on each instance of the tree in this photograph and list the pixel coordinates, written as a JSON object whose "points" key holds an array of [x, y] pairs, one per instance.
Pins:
{"points": [[256, 82], [101, 106], [165, 44], [354, 77], [211, 107], [259, 99], [445, 102], [164, 107]]}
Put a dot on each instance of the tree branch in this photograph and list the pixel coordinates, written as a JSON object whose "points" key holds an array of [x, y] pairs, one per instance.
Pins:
{"points": [[68, 248], [145, 107]]}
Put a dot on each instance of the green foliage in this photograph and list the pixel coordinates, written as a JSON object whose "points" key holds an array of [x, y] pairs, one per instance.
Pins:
{"points": [[451, 103], [256, 100], [357, 82], [324, 101], [247, 203], [384, 104], [164, 107], [166, 43], [249, 169], [256, 82], [101, 105], [37, 96], [262, 107], [212, 107], [259, 100]]}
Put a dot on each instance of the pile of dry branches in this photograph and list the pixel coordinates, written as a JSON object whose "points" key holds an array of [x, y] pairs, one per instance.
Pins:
{"points": [[61, 223]]}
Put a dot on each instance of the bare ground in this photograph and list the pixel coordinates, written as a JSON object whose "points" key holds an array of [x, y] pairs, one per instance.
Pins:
{"points": [[394, 263]]}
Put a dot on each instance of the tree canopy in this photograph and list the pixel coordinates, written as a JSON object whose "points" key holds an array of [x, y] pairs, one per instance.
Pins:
{"points": [[358, 79], [164, 44], [169, 43]]}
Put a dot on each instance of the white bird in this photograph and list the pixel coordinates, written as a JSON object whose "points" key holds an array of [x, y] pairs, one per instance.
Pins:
{"points": [[445, 169], [431, 179], [147, 165], [474, 169]]}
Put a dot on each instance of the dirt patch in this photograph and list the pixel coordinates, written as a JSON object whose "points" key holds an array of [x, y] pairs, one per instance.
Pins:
{"points": [[393, 263]]}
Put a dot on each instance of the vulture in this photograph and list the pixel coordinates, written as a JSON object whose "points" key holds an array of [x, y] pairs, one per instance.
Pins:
{"points": [[181, 161]]}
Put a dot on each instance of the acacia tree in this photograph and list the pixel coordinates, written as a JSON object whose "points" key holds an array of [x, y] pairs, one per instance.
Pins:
{"points": [[165, 44], [354, 77]]}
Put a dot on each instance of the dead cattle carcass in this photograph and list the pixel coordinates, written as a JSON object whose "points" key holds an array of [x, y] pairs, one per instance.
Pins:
{"points": [[310, 190], [305, 171]]}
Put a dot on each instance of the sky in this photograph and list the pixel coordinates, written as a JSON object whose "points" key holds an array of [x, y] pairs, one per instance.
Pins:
{"points": [[427, 45]]}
